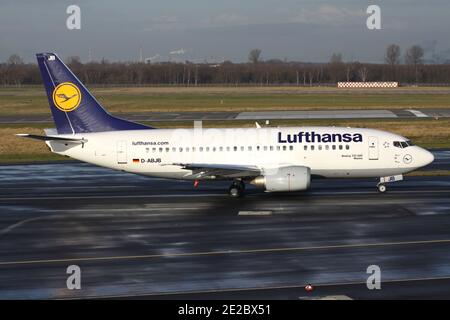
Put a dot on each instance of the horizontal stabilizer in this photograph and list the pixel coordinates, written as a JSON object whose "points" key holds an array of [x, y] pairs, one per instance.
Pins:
{"points": [[50, 138]]}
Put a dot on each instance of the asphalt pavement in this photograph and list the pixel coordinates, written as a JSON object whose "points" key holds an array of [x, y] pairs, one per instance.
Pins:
{"points": [[135, 236]]}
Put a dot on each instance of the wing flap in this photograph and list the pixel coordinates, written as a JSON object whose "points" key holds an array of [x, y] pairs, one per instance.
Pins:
{"points": [[226, 171]]}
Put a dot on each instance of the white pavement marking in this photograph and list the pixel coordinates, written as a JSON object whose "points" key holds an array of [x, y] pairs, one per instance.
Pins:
{"points": [[316, 114], [418, 113], [255, 213], [232, 252], [17, 224]]}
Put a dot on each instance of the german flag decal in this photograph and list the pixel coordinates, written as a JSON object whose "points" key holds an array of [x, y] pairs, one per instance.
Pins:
{"points": [[136, 161]]}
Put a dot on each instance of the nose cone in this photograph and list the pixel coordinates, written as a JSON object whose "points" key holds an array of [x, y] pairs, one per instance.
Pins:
{"points": [[426, 158]]}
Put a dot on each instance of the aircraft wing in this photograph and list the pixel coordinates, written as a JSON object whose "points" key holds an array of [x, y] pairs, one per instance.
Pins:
{"points": [[225, 171], [50, 138]]}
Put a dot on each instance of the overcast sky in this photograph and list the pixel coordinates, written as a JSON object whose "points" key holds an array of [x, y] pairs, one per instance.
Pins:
{"points": [[298, 30]]}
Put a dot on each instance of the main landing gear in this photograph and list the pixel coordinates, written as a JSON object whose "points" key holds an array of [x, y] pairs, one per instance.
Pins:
{"points": [[383, 180], [236, 189]]}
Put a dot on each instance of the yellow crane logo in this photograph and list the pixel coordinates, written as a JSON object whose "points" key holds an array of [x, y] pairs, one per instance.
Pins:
{"points": [[66, 96]]}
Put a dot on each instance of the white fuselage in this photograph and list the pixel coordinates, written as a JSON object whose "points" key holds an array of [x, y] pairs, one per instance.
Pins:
{"points": [[159, 152]]}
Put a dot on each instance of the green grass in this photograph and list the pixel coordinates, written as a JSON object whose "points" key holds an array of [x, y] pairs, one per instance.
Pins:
{"points": [[30, 158], [254, 103], [32, 100]]}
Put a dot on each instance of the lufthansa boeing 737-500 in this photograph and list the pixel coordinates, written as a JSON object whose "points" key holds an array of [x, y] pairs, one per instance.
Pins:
{"points": [[278, 159]]}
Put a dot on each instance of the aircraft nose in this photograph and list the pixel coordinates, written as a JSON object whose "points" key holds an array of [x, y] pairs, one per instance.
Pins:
{"points": [[427, 157]]}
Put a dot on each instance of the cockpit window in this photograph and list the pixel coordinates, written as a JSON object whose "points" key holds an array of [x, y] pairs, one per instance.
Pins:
{"points": [[402, 144]]}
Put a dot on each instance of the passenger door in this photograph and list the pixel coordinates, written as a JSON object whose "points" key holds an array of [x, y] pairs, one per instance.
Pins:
{"points": [[121, 152]]}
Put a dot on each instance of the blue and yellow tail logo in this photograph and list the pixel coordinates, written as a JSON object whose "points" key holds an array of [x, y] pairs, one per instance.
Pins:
{"points": [[66, 96]]}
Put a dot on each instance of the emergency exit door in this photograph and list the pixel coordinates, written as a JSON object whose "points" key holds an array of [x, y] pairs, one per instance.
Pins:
{"points": [[121, 152], [373, 148]]}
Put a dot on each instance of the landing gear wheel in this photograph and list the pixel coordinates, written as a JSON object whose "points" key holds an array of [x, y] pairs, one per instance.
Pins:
{"points": [[237, 189], [381, 188], [234, 192]]}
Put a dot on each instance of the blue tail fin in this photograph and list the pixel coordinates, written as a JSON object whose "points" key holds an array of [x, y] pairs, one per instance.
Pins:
{"points": [[73, 108]]}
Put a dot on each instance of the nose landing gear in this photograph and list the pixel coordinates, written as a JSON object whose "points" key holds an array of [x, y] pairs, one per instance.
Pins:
{"points": [[383, 180], [381, 187], [236, 189]]}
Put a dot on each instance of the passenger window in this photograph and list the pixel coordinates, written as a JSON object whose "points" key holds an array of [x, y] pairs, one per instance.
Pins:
{"points": [[201, 149], [312, 148], [249, 148], [347, 147], [235, 148], [291, 148], [284, 148], [181, 149], [174, 149], [334, 147], [187, 149], [193, 149], [278, 148], [221, 149], [167, 149], [207, 149], [257, 148], [271, 148], [340, 147], [160, 149], [320, 147], [305, 147], [265, 148], [242, 148], [214, 149], [154, 150], [327, 147], [228, 148]]}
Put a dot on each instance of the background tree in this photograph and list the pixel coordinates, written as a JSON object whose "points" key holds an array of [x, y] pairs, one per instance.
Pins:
{"points": [[254, 55], [336, 67], [392, 54], [363, 73], [15, 59], [336, 58], [414, 57], [16, 72], [73, 61], [392, 59]]}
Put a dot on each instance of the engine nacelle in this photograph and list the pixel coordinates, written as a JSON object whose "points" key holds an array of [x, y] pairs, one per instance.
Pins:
{"points": [[294, 178]]}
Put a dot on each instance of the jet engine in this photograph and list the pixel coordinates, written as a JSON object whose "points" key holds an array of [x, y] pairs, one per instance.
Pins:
{"points": [[292, 178]]}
